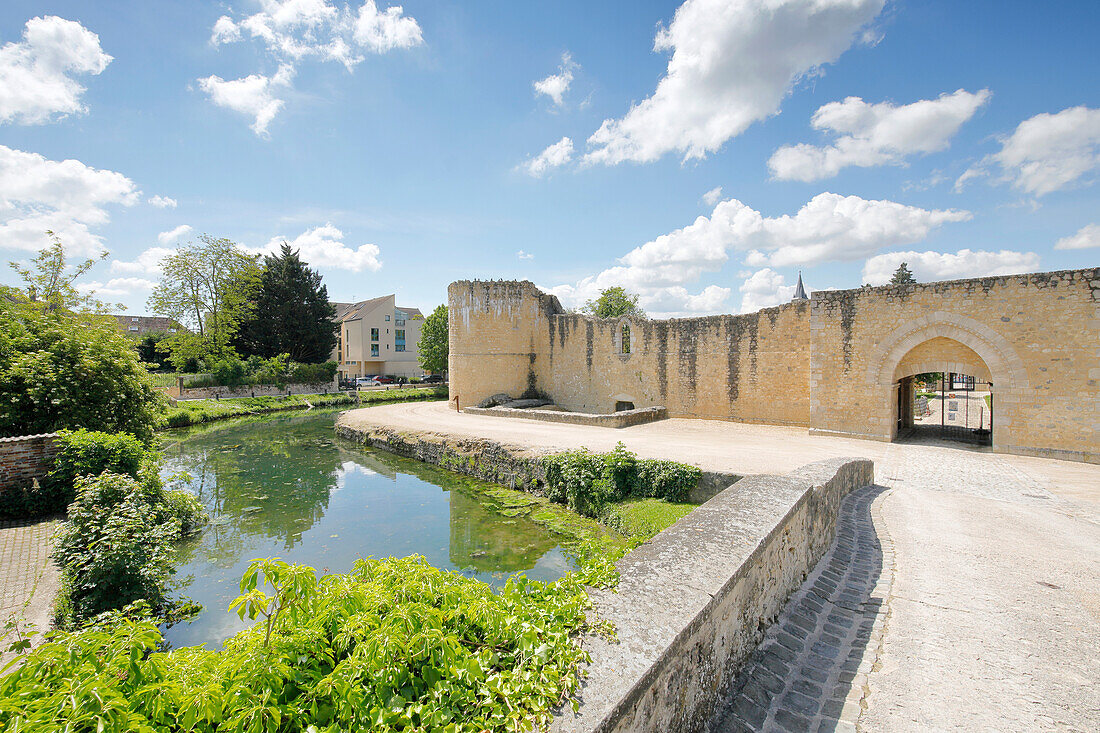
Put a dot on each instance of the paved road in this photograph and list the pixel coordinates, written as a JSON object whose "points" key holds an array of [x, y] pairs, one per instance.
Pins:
{"points": [[970, 581]]}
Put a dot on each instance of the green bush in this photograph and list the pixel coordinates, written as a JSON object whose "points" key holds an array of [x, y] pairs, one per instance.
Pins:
{"points": [[394, 645], [588, 481], [311, 373]]}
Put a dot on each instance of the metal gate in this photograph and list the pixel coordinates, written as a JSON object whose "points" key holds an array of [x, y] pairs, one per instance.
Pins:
{"points": [[957, 407]]}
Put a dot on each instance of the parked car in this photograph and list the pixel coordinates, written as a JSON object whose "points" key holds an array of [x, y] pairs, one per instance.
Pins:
{"points": [[431, 379], [383, 380], [367, 382]]}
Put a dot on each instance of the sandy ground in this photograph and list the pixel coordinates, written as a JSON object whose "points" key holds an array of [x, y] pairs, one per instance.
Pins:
{"points": [[993, 618]]}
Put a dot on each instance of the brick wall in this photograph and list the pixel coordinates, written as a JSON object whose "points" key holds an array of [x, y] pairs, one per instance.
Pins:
{"points": [[25, 458]]}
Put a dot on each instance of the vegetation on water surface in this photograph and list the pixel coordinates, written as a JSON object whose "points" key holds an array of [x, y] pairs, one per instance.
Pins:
{"points": [[194, 412]]}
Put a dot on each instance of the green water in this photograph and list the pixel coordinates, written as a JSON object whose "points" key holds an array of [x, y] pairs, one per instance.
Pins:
{"points": [[286, 487]]}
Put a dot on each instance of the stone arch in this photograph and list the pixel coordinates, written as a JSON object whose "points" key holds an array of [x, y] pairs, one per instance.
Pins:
{"points": [[1005, 367], [942, 354]]}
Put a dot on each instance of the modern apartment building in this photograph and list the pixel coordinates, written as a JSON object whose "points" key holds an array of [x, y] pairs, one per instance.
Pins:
{"points": [[377, 337]]}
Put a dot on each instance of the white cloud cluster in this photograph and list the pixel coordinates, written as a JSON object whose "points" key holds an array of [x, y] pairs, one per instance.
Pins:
{"points": [[1086, 237], [524, 255], [67, 197], [293, 30], [554, 156], [323, 247], [117, 287], [931, 266], [162, 202], [763, 289], [732, 63], [1045, 153], [713, 196], [556, 85], [36, 73], [148, 262], [876, 134], [174, 235], [829, 227]]}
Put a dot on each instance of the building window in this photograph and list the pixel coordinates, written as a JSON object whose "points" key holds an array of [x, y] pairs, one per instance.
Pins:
{"points": [[374, 349], [399, 322], [133, 328], [399, 340], [624, 342], [387, 318], [374, 334]]}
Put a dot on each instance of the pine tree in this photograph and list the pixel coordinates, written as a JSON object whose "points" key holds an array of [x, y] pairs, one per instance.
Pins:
{"points": [[292, 314], [902, 275]]}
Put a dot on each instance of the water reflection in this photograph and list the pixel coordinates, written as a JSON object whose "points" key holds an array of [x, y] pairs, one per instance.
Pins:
{"points": [[285, 486]]}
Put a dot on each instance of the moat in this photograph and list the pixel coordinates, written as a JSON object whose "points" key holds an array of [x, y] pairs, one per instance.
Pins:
{"points": [[286, 487]]}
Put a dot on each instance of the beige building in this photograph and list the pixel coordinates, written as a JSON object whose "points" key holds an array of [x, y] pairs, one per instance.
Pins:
{"points": [[140, 325], [843, 362], [377, 337]]}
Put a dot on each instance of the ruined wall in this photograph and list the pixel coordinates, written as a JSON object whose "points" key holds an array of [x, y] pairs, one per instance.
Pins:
{"points": [[498, 339], [1038, 335], [749, 368]]}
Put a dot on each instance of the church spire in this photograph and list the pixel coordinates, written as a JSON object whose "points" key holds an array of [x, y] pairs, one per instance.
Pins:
{"points": [[800, 291]]}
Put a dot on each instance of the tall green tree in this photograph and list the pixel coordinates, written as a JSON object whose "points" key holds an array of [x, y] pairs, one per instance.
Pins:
{"points": [[433, 348], [903, 276], [291, 313], [49, 280], [612, 303], [208, 287]]}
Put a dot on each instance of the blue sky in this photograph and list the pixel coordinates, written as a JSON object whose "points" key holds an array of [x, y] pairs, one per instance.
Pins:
{"points": [[402, 147]]}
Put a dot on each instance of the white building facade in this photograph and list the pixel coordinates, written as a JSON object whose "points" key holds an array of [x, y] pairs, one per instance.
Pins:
{"points": [[377, 337]]}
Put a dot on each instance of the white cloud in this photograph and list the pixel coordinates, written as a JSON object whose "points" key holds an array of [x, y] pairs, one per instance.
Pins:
{"points": [[384, 31], [763, 289], [323, 247], [174, 235], [556, 85], [525, 255], [713, 196], [253, 95], [36, 81], [732, 64], [147, 263], [931, 266], [117, 287], [67, 197], [1086, 237], [827, 228], [1046, 153], [554, 156], [162, 202], [876, 134]]}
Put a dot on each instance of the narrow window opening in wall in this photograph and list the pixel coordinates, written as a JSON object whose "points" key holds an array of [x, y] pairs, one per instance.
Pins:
{"points": [[621, 406], [624, 343], [374, 334]]}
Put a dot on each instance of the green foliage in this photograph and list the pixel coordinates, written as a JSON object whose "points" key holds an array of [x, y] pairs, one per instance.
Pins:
{"points": [[232, 371], [116, 547], [433, 348], [208, 288], [291, 314], [643, 519], [150, 351], [902, 275], [613, 303], [395, 645], [49, 280], [588, 481], [90, 453], [62, 370]]}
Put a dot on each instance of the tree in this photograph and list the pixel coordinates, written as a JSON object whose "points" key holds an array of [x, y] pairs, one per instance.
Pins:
{"points": [[64, 370], [208, 288], [291, 313], [49, 280], [433, 349], [902, 276], [612, 303]]}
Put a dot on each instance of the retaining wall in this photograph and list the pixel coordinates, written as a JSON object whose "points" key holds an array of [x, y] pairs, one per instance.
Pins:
{"points": [[260, 390], [695, 601], [621, 419], [24, 459]]}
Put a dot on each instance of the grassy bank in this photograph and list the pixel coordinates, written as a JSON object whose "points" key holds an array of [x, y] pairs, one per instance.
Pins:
{"points": [[195, 412]]}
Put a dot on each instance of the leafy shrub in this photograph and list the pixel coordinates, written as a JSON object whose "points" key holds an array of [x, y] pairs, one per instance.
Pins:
{"points": [[589, 481], [395, 645], [90, 453], [116, 547], [229, 372], [311, 373]]}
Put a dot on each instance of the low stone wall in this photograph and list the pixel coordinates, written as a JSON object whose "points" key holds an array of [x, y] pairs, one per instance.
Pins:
{"points": [[623, 419], [24, 459], [695, 601], [260, 390]]}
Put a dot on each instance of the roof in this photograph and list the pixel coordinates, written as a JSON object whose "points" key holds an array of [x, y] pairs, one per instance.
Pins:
{"points": [[350, 311], [411, 312], [800, 290]]}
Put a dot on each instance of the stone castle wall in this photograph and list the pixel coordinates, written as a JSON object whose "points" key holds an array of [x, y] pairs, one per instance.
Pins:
{"points": [[832, 364], [1038, 336]]}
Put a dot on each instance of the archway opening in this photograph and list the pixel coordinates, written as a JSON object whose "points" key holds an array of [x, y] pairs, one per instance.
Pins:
{"points": [[943, 390]]}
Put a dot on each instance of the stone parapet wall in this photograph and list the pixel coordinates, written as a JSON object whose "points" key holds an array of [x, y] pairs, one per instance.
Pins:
{"points": [[623, 419], [260, 390], [694, 602], [24, 459]]}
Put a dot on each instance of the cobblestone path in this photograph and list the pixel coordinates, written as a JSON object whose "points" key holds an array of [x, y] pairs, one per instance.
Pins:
{"points": [[810, 671], [27, 580]]}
